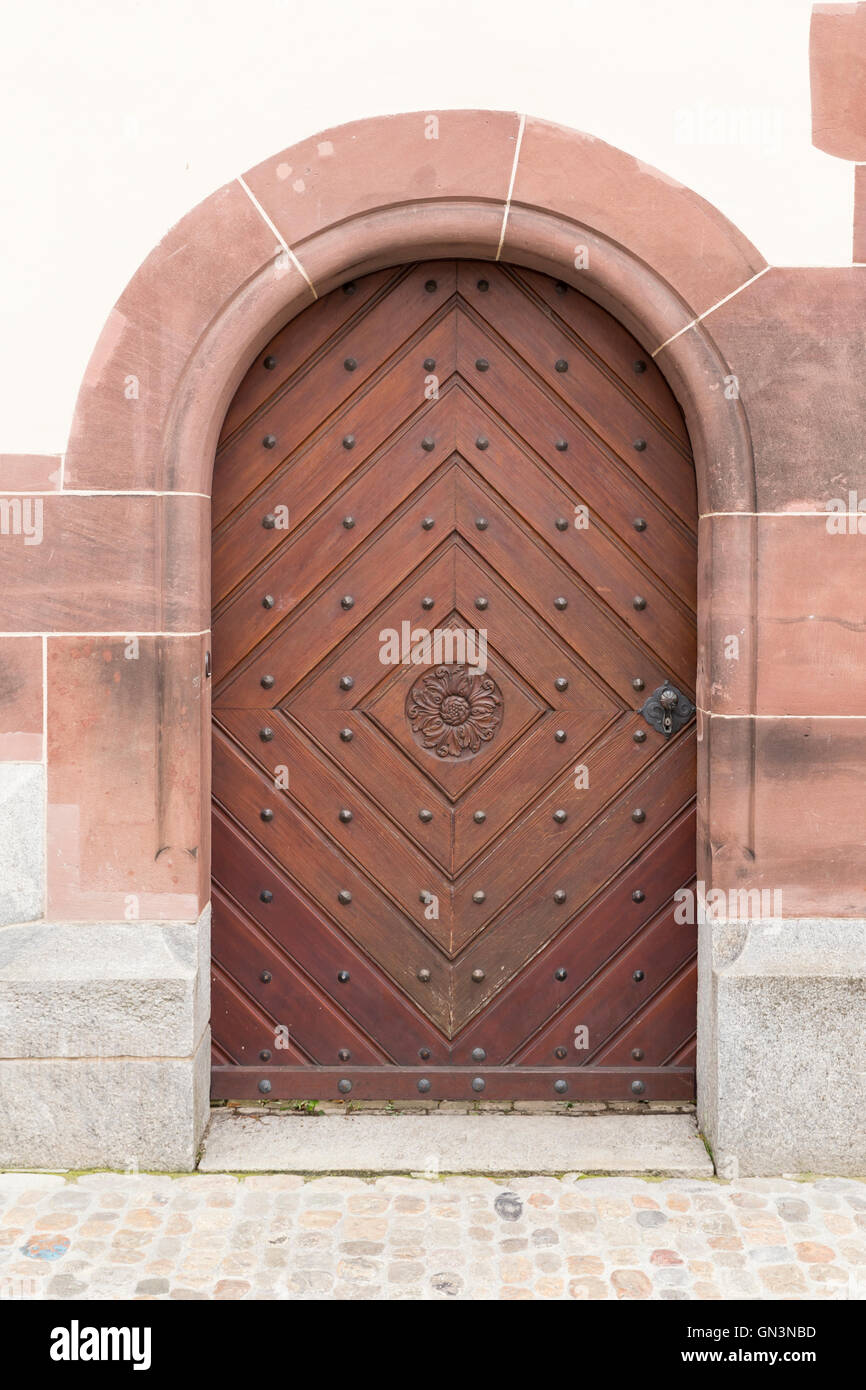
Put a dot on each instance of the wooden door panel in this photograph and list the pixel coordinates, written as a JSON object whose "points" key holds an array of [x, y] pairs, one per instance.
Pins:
{"points": [[433, 862]]}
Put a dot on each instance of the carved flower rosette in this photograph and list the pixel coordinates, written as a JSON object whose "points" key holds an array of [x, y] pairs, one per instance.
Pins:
{"points": [[453, 710]]}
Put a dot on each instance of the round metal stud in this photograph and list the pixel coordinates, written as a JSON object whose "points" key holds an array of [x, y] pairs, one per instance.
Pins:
{"points": [[344, 1055], [267, 814], [345, 815], [561, 683], [344, 1087], [638, 895], [423, 1085], [638, 1088], [343, 977], [348, 441], [347, 601], [269, 441], [266, 977], [269, 521], [560, 896], [267, 682], [425, 897], [479, 817], [477, 1083], [482, 603], [268, 601], [639, 524], [264, 1087], [266, 734], [346, 682], [344, 896], [560, 1087], [482, 364], [561, 445], [482, 442], [348, 522], [639, 603], [560, 603], [479, 897], [266, 896], [482, 523], [637, 1054], [429, 364], [430, 286], [638, 815], [269, 363], [347, 735], [424, 1054], [637, 976], [560, 1053], [483, 286], [428, 523], [477, 976], [350, 364], [561, 523], [637, 683], [560, 817], [478, 1054], [425, 816], [640, 445], [639, 735], [424, 976], [428, 444], [560, 974], [265, 1055], [561, 365], [427, 603], [640, 367], [560, 736]]}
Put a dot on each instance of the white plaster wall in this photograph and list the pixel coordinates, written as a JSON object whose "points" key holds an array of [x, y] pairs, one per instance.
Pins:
{"points": [[118, 116]]}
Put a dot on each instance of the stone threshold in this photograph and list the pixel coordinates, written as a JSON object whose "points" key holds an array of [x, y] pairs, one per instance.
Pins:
{"points": [[270, 1141]]}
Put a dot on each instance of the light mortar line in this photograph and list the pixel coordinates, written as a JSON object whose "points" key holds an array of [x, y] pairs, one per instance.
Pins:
{"points": [[714, 714], [507, 210], [124, 633], [285, 245], [101, 492], [825, 516], [700, 318]]}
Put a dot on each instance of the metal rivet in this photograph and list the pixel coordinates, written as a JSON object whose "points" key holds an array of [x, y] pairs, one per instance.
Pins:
{"points": [[345, 815], [344, 896], [637, 683], [349, 287], [267, 682], [640, 367], [343, 976], [348, 522], [265, 1054], [269, 521], [640, 445], [638, 603], [560, 602], [269, 363], [266, 896], [427, 603], [638, 976], [639, 524], [477, 976], [428, 523], [346, 735], [637, 1054], [482, 523], [560, 895], [269, 441], [430, 286], [425, 896], [266, 734], [560, 1087], [423, 1085], [478, 1054], [482, 364], [561, 445], [638, 1088], [482, 602], [425, 816], [479, 897], [350, 364], [266, 977], [429, 363], [424, 1054], [560, 736], [344, 1055], [264, 1087], [639, 735], [268, 601], [560, 817], [638, 815], [428, 443], [344, 1086], [424, 976], [347, 601], [477, 1084], [561, 683], [348, 441], [638, 895], [561, 523], [267, 814], [479, 817], [482, 442], [346, 682], [560, 974], [561, 364], [483, 286]]}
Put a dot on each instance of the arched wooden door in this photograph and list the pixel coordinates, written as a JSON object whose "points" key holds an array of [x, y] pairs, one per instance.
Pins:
{"points": [[454, 554]]}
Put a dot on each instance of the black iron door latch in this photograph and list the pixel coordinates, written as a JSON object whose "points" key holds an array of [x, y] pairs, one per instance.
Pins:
{"points": [[667, 710]]}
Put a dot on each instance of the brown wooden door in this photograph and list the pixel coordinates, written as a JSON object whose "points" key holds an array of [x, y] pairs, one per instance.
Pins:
{"points": [[439, 868]]}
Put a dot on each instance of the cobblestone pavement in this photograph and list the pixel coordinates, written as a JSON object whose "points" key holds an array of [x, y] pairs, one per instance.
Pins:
{"points": [[112, 1235]]}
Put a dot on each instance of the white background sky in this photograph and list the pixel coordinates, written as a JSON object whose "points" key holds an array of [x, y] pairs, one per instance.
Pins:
{"points": [[117, 117]]}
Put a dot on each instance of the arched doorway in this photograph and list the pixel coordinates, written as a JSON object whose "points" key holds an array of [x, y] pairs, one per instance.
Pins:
{"points": [[455, 531]]}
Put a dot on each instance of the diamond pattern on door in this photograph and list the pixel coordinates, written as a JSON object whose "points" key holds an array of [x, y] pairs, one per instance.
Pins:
{"points": [[454, 552]]}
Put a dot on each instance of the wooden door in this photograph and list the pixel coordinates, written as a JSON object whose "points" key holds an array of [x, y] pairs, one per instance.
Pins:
{"points": [[454, 553]]}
